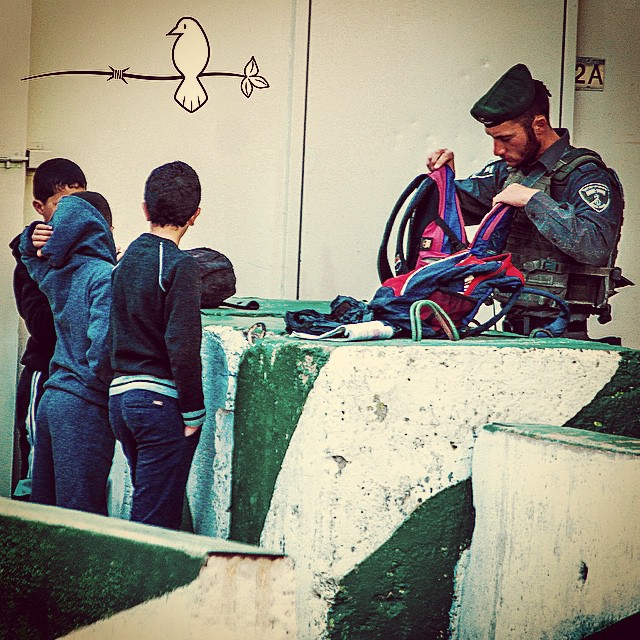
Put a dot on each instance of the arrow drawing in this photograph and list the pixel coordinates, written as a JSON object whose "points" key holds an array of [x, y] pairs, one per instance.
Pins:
{"points": [[190, 54]]}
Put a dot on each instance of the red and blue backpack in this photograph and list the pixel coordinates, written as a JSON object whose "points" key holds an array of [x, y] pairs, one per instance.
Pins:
{"points": [[440, 283]]}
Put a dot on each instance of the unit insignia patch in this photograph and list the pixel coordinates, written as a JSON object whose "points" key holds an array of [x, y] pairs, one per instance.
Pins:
{"points": [[596, 195]]}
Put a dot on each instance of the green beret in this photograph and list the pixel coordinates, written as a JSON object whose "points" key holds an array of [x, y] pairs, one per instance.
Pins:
{"points": [[507, 99]]}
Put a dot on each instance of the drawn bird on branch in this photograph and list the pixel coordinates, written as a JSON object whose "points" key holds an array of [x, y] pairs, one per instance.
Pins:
{"points": [[190, 57]]}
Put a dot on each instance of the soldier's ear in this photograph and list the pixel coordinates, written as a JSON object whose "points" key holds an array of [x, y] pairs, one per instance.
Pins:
{"points": [[539, 123]]}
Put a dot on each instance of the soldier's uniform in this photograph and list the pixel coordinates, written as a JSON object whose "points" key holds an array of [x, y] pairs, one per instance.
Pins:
{"points": [[564, 240]]}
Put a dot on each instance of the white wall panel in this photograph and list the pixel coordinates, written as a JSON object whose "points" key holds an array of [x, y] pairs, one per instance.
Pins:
{"points": [[388, 82], [14, 52], [607, 121], [119, 132]]}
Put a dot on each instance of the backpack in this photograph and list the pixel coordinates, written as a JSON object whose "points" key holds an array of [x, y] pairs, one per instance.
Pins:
{"points": [[430, 228], [432, 225], [218, 279], [454, 288]]}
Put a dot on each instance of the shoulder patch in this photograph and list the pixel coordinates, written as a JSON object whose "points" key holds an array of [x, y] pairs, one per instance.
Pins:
{"points": [[596, 195], [485, 172]]}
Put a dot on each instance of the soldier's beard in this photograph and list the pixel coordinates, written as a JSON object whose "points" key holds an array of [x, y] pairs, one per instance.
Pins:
{"points": [[531, 150]]}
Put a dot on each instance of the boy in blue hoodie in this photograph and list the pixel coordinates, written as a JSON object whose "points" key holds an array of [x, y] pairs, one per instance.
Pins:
{"points": [[156, 403], [74, 443], [53, 179]]}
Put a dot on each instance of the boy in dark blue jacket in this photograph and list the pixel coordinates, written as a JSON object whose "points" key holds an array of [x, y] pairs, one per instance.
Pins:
{"points": [[74, 443], [156, 404]]}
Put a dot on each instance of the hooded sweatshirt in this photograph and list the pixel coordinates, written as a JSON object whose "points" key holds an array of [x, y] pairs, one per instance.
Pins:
{"points": [[74, 273]]}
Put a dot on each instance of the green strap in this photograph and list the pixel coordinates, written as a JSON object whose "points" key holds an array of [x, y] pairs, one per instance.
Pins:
{"points": [[574, 159], [440, 315]]}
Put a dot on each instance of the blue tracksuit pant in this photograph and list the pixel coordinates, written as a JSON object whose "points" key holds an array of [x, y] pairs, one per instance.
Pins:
{"points": [[73, 453]]}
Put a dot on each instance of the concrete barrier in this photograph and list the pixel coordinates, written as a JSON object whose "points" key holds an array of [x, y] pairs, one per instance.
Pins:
{"points": [[355, 458], [557, 536], [63, 570]]}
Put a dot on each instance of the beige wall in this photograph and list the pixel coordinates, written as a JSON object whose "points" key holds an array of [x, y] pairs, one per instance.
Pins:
{"points": [[386, 83], [389, 82], [608, 122], [119, 132], [14, 52]]}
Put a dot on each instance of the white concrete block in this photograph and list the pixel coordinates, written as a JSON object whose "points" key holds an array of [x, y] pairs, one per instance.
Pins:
{"points": [[557, 537], [385, 429], [235, 597]]}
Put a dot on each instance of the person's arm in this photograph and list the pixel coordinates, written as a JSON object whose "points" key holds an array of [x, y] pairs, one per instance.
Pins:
{"points": [[585, 223], [36, 266], [98, 353], [476, 193], [33, 307], [183, 337]]}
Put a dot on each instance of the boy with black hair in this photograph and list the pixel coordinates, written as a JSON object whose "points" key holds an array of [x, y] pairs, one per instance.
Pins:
{"points": [[52, 180], [156, 404], [75, 445]]}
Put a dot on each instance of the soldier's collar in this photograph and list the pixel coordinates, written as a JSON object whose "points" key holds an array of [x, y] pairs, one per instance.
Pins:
{"points": [[550, 157]]}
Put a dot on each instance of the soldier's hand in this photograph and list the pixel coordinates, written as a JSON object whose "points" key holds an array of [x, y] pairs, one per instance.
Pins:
{"points": [[515, 195], [439, 157]]}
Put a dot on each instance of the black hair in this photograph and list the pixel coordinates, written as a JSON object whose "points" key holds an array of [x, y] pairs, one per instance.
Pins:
{"points": [[55, 174], [172, 194], [98, 201], [539, 106]]}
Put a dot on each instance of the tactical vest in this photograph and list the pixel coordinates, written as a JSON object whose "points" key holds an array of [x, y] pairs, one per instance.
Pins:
{"points": [[547, 267]]}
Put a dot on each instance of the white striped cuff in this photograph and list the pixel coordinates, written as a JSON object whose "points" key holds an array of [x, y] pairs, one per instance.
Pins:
{"points": [[193, 419], [121, 384]]}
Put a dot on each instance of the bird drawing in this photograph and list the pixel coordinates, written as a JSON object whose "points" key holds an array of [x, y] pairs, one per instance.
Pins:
{"points": [[190, 58]]}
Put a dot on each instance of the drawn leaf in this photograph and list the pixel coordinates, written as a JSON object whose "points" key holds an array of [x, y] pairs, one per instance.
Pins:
{"points": [[251, 68], [246, 87], [259, 82]]}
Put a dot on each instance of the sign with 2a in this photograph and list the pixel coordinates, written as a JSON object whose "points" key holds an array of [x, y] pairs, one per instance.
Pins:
{"points": [[589, 74]]}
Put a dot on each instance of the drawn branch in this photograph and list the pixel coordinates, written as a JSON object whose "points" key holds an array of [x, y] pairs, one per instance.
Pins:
{"points": [[250, 77]]}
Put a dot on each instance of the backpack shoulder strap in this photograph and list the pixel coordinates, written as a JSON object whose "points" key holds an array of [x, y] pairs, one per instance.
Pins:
{"points": [[384, 269]]}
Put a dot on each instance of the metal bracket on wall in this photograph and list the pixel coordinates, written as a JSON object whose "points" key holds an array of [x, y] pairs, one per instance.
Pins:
{"points": [[8, 161]]}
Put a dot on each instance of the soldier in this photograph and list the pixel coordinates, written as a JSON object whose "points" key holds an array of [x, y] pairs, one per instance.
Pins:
{"points": [[567, 224]]}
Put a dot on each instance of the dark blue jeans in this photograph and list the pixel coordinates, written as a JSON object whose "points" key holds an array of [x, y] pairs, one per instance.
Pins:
{"points": [[150, 429], [73, 453]]}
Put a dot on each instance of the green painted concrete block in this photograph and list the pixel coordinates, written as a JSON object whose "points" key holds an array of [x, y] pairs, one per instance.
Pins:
{"points": [[273, 382], [404, 590], [62, 569]]}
